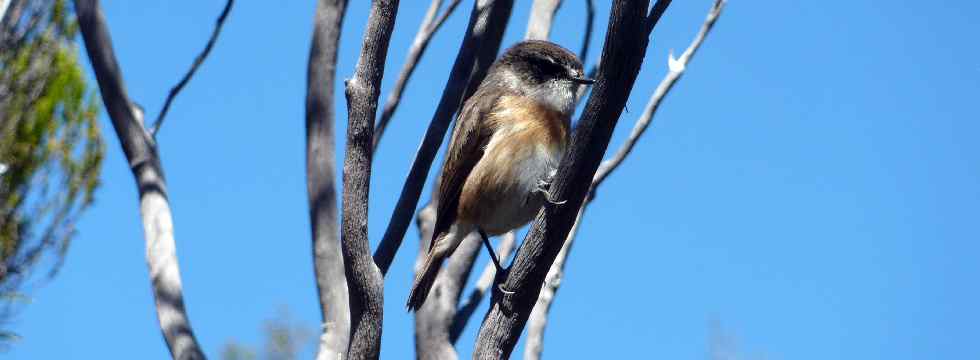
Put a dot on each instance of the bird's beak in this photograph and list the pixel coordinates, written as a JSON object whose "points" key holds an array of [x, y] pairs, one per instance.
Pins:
{"points": [[583, 80]]}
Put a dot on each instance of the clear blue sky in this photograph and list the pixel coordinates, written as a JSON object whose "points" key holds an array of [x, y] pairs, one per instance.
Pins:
{"points": [[811, 183]]}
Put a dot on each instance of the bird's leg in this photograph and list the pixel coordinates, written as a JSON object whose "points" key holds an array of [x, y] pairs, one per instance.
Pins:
{"points": [[493, 257], [544, 187]]}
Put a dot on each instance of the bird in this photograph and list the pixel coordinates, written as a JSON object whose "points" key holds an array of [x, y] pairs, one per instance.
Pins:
{"points": [[507, 141]]}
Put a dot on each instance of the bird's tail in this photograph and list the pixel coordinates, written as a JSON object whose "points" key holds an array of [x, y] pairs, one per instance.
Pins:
{"points": [[424, 280]]}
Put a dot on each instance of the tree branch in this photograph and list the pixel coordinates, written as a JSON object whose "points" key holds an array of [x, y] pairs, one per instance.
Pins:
{"points": [[430, 25], [328, 264], [539, 315], [587, 37], [623, 52], [190, 72], [488, 20], [676, 68], [365, 283], [542, 16], [144, 162], [433, 320], [475, 297]]}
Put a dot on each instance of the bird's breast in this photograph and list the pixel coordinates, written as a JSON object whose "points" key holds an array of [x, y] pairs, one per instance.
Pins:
{"points": [[526, 146]]}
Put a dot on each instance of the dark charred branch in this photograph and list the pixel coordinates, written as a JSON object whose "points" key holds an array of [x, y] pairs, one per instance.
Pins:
{"points": [[488, 20], [539, 316], [328, 264], [589, 24], [365, 284], [430, 25], [625, 45], [190, 72]]}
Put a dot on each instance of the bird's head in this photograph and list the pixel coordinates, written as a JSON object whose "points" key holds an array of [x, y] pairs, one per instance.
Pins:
{"points": [[543, 70]]}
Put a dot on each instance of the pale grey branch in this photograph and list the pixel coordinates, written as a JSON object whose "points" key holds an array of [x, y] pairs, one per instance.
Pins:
{"points": [[328, 264], [504, 249], [541, 18], [144, 162]]}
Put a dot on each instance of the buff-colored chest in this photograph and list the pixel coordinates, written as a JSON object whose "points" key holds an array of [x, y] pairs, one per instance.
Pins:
{"points": [[525, 148]]}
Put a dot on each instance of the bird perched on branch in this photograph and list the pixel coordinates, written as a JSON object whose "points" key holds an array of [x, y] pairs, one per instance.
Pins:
{"points": [[505, 148]]}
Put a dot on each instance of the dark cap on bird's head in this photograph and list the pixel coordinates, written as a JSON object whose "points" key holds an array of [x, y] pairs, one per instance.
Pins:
{"points": [[538, 61]]}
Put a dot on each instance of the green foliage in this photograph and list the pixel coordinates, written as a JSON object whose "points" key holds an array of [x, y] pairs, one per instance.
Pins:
{"points": [[50, 142]]}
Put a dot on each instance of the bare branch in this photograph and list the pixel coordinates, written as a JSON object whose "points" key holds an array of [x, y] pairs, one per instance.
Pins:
{"points": [[433, 320], [623, 52], [430, 25], [539, 315], [587, 38], [542, 16], [675, 70], [488, 20], [483, 283], [190, 72], [141, 153], [328, 264], [365, 284], [658, 10]]}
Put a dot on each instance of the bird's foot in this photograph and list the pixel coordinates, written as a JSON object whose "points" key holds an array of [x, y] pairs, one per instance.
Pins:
{"points": [[544, 187]]}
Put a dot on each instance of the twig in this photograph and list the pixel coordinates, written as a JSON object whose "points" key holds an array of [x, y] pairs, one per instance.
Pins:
{"points": [[658, 10], [623, 52], [190, 72], [539, 315], [328, 263], [144, 162], [676, 68], [430, 25], [542, 16], [488, 20], [587, 38]]}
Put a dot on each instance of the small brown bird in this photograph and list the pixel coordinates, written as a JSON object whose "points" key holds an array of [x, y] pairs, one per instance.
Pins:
{"points": [[506, 145]]}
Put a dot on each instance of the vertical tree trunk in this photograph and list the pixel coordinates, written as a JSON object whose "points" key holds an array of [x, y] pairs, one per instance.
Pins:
{"points": [[365, 283], [328, 264]]}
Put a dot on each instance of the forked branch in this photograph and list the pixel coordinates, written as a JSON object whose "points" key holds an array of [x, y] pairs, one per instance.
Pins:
{"points": [[144, 162], [539, 315]]}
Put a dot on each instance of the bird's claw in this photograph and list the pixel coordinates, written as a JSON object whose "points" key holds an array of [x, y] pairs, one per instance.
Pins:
{"points": [[505, 291], [544, 187]]}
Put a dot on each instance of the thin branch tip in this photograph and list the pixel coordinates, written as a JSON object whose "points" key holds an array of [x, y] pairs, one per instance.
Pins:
{"points": [[218, 25]]}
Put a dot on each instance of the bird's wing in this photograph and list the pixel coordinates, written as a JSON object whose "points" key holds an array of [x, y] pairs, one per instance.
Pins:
{"points": [[470, 136]]}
